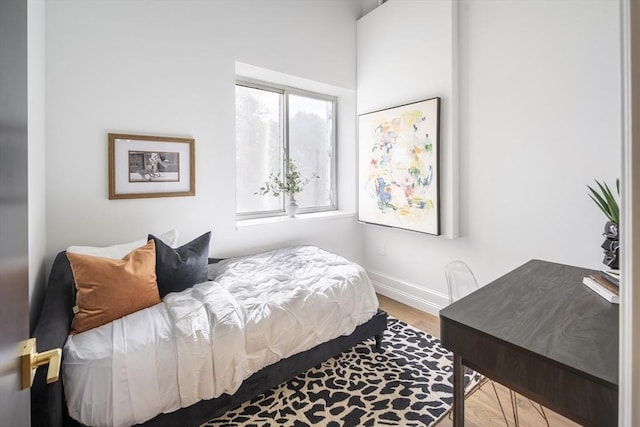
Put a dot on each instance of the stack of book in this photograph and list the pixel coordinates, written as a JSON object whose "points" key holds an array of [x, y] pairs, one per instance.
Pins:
{"points": [[606, 284]]}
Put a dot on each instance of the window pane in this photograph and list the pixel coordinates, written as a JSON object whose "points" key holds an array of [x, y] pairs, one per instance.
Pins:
{"points": [[310, 145], [258, 147]]}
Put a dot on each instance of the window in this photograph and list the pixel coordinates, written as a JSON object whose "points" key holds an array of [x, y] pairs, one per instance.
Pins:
{"points": [[274, 123]]}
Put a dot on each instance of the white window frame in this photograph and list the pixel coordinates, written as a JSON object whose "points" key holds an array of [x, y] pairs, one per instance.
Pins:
{"points": [[285, 91]]}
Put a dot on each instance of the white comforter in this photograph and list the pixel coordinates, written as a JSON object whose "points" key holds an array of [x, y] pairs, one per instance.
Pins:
{"points": [[204, 341]]}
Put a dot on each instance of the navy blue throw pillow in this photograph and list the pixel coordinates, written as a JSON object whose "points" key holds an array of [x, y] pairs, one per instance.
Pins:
{"points": [[180, 268]]}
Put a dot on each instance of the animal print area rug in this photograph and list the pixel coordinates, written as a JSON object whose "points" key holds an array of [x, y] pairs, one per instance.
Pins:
{"points": [[406, 383]]}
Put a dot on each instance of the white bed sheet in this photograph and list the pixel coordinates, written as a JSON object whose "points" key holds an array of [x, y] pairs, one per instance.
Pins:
{"points": [[205, 340]]}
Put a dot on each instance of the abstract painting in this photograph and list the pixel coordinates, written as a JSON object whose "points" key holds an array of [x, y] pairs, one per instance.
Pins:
{"points": [[398, 167]]}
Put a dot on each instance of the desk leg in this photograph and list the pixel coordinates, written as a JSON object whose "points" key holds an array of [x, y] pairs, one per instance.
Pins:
{"points": [[458, 391]]}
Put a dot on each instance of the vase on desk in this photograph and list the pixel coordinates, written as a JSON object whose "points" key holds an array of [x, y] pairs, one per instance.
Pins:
{"points": [[611, 245]]}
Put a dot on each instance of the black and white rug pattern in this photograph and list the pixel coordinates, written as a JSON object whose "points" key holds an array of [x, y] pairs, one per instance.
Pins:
{"points": [[406, 383]]}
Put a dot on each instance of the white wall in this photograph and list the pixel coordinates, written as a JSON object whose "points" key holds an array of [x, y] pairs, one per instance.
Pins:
{"points": [[539, 119], [168, 68], [399, 45], [37, 220]]}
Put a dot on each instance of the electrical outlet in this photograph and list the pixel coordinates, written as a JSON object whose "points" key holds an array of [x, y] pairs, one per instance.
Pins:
{"points": [[382, 250]]}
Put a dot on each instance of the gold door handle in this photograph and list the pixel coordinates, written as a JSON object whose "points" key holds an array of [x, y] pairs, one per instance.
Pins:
{"points": [[31, 359]]}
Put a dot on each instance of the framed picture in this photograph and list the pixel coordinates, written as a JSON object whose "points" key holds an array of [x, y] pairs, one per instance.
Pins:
{"points": [[398, 167], [143, 166]]}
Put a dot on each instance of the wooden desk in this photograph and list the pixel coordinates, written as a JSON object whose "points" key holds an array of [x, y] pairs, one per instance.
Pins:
{"points": [[539, 331]]}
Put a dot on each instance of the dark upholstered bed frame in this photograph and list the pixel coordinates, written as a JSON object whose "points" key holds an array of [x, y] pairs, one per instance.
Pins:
{"points": [[48, 405]]}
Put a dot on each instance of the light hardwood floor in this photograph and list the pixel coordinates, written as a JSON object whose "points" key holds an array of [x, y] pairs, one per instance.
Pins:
{"points": [[481, 407]]}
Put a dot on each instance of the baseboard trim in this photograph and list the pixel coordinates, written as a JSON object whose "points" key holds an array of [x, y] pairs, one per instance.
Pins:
{"points": [[408, 293]]}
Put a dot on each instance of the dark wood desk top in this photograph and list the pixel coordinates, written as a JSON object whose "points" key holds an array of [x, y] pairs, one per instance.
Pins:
{"points": [[544, 308]]}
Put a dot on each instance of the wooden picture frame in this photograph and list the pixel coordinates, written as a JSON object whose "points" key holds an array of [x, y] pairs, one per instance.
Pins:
{"points": [[144, 166], [399, 168]]}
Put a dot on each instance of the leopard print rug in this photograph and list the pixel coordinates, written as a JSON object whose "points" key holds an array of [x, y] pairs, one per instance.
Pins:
{"points": [[406, 383]]}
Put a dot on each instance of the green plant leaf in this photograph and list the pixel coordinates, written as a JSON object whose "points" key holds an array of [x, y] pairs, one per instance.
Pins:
{"points": [[289, 181], [599, 202], [600, 205], [598, 199], [606, 201], [611, 203], [613, 206]]}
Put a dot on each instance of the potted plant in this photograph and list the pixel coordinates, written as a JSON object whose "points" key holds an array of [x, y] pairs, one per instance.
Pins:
{"points": [[292, 184], [604, 199]]}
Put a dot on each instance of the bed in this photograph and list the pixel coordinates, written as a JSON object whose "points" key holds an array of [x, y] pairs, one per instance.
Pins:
{"points": [[308, 278]]}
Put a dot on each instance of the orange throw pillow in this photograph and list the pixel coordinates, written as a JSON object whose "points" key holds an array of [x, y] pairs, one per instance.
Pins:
{"points": [[108, 289]]}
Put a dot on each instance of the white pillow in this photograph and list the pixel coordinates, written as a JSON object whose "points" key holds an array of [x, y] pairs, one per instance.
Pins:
{"points": [[120, 250]]}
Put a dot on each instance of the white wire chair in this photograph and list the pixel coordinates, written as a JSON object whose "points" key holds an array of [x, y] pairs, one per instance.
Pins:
{"points": [[461, 282]]}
